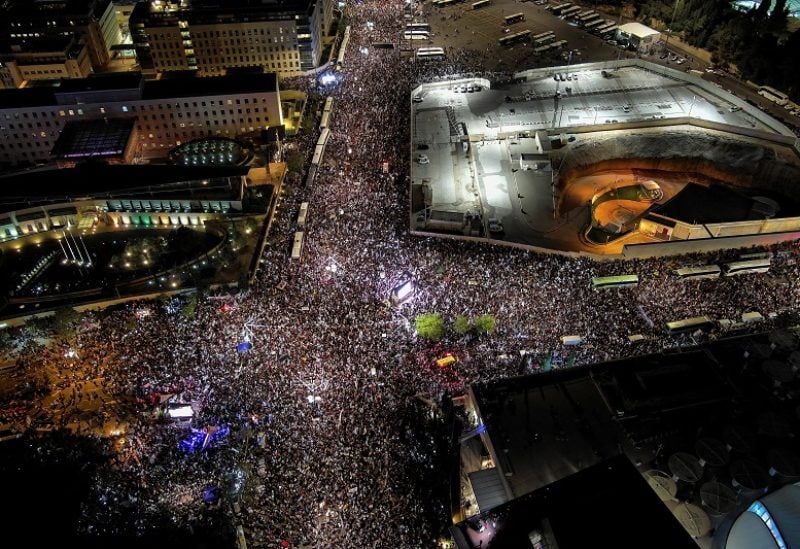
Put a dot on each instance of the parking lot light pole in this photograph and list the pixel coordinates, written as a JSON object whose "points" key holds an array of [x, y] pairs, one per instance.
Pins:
{"points": [[671, 22]]}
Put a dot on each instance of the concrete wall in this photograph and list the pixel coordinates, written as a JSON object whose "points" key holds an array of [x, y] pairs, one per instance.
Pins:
{"points": [[679, 247]]}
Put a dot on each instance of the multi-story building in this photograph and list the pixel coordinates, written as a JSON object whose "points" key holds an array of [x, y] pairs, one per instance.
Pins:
{"points": [[43, 59], [168, 111], [93, 20], [210, 36]]}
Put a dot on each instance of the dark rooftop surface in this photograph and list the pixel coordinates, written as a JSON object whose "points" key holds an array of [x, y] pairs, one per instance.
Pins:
{"points": [[103, 138], [91, 180], [167, 88], [48, 8], [206, 11], [191, 86], [606, 505], [738, 394], [691, 205], [101, 82]]}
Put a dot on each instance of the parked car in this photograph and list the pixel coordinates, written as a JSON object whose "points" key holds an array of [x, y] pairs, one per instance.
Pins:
{"points": [[423, 159]]}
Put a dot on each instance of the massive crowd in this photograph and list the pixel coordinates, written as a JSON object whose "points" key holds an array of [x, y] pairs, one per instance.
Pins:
{"points": [[337, 436]]}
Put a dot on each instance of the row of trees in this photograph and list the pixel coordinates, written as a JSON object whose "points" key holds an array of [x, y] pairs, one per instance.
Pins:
{"points": [[757, 42], [432, 325]]}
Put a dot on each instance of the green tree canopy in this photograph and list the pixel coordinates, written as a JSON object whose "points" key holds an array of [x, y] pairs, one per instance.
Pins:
{"points": [[430, 326], [486, 324], [461, 325]]}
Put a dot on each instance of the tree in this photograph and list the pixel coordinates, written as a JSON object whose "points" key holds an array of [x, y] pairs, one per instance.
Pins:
{"points": [[461, 325], [430, 326], [64, 320], [485, 324], [190, 308]]}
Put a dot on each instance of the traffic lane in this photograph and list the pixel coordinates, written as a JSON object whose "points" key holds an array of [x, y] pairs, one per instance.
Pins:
{"points": [[740, 89]]}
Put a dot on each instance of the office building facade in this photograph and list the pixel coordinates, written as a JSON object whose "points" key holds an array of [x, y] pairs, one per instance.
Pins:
{"points": [[94, 21], [209, 37], [44, 59], [168, 112]]}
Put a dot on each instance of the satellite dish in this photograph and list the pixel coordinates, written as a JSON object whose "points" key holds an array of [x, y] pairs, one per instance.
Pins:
{"points": [[685, 467], [693, 519], [718, 498], [662, 484]]}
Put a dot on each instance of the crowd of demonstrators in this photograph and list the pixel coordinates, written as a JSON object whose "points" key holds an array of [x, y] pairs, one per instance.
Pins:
{"points": [[335, 433]]}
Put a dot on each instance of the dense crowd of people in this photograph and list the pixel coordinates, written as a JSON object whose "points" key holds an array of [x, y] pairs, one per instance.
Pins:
{"points": [[337, 437]]}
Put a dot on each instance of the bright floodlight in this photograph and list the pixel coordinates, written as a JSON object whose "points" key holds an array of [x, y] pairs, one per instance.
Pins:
{"points": [[403, 291], [181, 412], [327, 79]]}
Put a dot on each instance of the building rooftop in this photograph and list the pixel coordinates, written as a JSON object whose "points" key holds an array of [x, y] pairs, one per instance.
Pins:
{"points": [[607, 504], [133, 87], [192, 86], [691, 205], [101, 138], [216, 11], [96, 180], [723, 412], [637, 29], [26, 9]]}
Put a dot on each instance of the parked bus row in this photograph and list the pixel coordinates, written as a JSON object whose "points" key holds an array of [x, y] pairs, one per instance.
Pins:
{"points": [[557, 45], [606, 29], [757, 262], [746, 264], [516, 38]]}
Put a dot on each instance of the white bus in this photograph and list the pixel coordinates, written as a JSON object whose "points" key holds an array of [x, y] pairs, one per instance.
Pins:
{"points": [[747, 266], [297, 247], [301, 216], [418, 27], [569, 12], [326, 120], [416, 35], [481, 4], [777, 97], [619, 281], [560, 8], [430, 53], [594, 23], [689, 325], [514, 18], [756, 255], [694, 273], [343, 48]]}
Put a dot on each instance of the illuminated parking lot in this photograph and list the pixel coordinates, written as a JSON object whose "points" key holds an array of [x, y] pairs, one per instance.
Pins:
{"points": [[482, 153]]}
